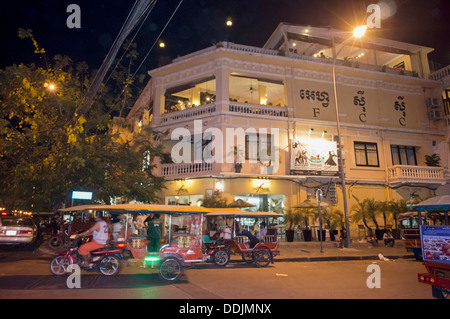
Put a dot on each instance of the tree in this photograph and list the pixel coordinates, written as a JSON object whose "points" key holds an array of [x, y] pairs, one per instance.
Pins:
{"points": [[398, 207], [359, 213], [45, 153], [384, 207], [337, 218], [292, 218]]}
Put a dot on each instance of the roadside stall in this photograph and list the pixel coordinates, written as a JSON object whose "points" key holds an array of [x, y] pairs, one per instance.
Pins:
{"points": [[435, 244]]}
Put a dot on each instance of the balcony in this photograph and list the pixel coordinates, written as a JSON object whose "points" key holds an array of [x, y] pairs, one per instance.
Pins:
{"points": [[420, 175], [207, 110], [185, 169], [189, 114]]}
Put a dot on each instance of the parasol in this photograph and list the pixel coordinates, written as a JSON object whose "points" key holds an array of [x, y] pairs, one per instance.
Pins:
{"points": [[311, 203]]}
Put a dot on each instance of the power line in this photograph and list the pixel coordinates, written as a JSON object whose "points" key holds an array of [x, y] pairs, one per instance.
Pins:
{"points": [[151, 48], [139, 9]]}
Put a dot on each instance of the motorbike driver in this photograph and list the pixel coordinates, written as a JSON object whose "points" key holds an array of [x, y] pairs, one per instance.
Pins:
{"points": [[99, 238]]}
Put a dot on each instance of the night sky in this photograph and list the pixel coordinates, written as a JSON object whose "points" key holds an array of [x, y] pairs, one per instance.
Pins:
{"points": [[199, 23]]}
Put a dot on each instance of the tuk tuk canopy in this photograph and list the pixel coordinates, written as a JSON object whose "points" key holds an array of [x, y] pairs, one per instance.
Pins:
{"points": [[140, 208], [438, 203]]}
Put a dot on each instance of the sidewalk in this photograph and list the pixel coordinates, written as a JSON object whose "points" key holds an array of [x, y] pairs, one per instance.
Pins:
{"points": [[301, 251]]}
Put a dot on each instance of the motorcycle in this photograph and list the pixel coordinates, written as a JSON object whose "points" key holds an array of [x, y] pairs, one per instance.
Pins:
{"points": [[107, 260], [59, 239]]}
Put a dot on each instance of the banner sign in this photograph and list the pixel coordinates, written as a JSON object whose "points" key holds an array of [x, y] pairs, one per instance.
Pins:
{"points": [[435, 243], [314, 157]]}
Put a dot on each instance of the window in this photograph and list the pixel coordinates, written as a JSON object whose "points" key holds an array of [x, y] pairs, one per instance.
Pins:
{"points": [[366, 154], [403, 155], [258, 147], [190, 95]]}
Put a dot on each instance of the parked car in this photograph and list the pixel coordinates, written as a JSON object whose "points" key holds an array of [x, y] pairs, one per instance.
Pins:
{"points": [[17, 230]]}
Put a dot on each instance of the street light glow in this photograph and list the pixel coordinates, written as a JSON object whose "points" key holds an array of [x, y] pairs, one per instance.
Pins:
{"points": [[358, 32], [229, 22], [51, 86]]}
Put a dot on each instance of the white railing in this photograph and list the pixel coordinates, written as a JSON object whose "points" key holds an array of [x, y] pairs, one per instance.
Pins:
{"points": [[185, 168], [416, 172], [441, 73], [193, 112], [257, 109]]}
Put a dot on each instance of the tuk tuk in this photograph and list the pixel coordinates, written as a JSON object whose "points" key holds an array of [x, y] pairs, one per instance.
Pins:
{"points": [[181, 238], [435, 244], [411, 232], [236, 237]]}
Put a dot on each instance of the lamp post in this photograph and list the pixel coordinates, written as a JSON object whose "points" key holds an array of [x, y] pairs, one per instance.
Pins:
{"points": [[358, 32]]}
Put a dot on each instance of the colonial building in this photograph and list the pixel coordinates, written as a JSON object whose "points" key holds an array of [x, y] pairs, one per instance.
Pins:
{"points": [[259, 124]]}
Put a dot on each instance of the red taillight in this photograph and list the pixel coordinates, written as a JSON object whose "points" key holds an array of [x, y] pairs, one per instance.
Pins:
{"points": [[25, 232], [121, 245]]}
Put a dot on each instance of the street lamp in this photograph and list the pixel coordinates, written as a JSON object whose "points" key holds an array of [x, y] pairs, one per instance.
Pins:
{"points": [[358, 32]]}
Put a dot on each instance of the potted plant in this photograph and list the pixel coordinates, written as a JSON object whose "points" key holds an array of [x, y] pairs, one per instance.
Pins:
{"points": [[305, 214], [433, 160], [326, 222], [337, 221], [292, 219]]}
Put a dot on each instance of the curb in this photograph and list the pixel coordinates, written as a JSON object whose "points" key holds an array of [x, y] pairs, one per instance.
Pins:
{"points": [[339, 258]]}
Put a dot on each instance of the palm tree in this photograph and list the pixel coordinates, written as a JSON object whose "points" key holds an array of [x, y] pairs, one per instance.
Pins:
{"points": [[372, 210], [213, 201], [337, 219], [306, 213], [292, 218], [384, 207], [398, 207], [360, 213]]}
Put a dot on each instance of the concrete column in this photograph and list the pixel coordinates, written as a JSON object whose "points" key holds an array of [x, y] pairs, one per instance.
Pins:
{"points": [[222, 74]]}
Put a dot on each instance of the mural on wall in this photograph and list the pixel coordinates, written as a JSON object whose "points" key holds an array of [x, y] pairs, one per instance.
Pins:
{"points": [[313, 157]]}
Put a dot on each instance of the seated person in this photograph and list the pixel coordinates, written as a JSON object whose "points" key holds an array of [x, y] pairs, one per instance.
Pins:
{"points": [[388, 239], [372, 239], [253, 240], [100, 236], [262, 231]]}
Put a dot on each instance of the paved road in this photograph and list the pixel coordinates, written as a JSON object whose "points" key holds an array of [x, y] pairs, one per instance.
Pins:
{"points": [[27, 275]]}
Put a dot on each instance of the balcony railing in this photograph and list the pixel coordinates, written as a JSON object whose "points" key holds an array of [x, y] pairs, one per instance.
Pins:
{"points": [[441, 73], [194, 112], [256, 109], [417, 174], [182, 169]]}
